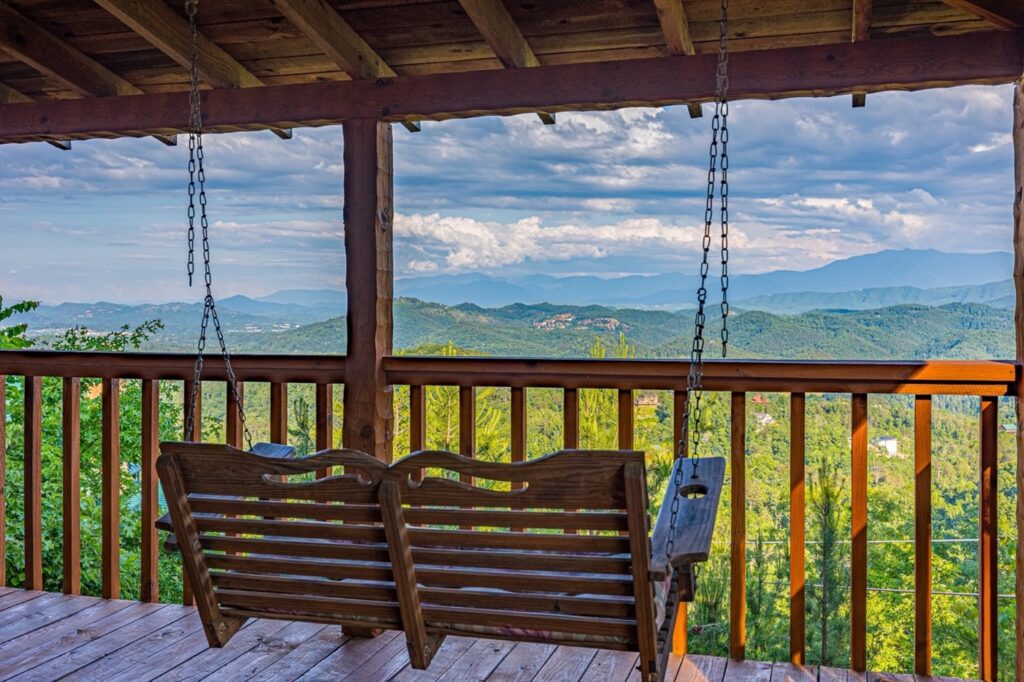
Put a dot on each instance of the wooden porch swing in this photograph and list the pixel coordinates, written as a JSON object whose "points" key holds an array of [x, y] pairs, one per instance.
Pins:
{"points": [[378, 548]]}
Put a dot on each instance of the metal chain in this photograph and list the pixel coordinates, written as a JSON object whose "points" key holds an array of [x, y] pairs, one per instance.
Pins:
{"points": [[196, 171], [695, 377]]}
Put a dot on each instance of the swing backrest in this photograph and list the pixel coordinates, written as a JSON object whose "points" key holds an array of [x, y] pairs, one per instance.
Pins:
{"points": [[554, 549]]}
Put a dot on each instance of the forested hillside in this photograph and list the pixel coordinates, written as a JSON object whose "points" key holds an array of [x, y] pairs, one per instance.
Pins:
{"points": [[956, 330]]}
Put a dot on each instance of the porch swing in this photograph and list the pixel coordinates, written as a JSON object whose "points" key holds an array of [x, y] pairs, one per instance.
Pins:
{"points": [[553, 550]]}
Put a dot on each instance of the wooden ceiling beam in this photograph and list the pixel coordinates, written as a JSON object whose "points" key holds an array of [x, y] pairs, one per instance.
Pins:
{"points": [[499, 29], [861, 30], [9, 95], [676, 29], [322, 24], [32, 44], [912, 63], [168, 31], [1001, 13]]}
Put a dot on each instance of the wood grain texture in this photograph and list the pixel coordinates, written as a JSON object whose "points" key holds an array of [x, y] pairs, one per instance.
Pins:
{"points": [[738, 528], [797, 531], [324, 409], [33, 483], [369, 281], [110, 545], [870, 66], [1006, 14], [923, 535], [149, 585], [859, 532], [279, 412], [861, 20], [625, 421], [71, 447], [44, 51], [168, 31], [988, 546], [233, 432]]}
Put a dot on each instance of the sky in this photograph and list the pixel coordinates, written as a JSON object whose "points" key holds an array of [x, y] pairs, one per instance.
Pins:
{"points": [[605, 193]]}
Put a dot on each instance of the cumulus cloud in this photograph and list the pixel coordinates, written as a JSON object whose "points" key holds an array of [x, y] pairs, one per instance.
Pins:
{"points": [[623, 191]]}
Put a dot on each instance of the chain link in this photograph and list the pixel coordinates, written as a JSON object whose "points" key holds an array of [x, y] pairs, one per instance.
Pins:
{"points": [[197, 173], [718, 159]]}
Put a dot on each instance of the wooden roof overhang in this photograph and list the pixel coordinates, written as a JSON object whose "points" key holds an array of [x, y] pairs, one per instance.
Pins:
{"points": [[76, 69]]}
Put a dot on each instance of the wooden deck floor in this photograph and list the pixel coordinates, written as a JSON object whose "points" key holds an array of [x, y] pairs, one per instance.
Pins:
{"points": [[46, 636]]}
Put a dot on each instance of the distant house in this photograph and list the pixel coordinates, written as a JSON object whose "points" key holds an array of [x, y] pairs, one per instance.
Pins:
{"points": [[889, 444], [764, 419], [759, 399], [1008, 427], [646, 400]]}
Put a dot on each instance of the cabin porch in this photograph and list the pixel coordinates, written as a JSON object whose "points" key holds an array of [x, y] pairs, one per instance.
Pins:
{"points": [[45, 636]]}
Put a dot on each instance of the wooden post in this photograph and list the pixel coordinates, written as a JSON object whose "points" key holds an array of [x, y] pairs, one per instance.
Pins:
{"points": [[859, 532], [1018, 323], [149, 583], [33, 483], [369, 281], [923, 535], [738, 530], [988, 545], [71, 447], [110, 551], [797, 531]]}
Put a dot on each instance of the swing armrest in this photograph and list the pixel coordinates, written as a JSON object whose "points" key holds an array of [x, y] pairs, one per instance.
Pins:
{"points": [[699, 492]]}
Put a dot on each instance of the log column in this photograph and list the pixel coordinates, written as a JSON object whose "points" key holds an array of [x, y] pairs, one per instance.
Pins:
{"points": [[1018, 321], [369, 279]]}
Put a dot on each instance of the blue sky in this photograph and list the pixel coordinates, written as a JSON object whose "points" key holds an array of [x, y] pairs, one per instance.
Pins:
{"points": [[605, 193]]}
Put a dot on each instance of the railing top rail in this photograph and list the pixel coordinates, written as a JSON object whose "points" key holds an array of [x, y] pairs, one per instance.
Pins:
{"points": [[956, 377], [924, 377], [283, 368]]}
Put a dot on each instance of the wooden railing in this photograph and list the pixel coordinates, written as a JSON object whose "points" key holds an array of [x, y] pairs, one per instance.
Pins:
{"points": [[987, 380]]}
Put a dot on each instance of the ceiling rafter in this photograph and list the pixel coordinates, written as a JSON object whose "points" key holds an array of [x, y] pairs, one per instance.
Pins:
{"points": [[33, 45], [499, 29], [861, 31], [676, 29], [1001, 13], [322, 24], [9, 95], [166, 30]]}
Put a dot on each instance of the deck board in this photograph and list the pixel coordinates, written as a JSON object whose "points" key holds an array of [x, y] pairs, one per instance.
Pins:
{"points": [[52, 636]]}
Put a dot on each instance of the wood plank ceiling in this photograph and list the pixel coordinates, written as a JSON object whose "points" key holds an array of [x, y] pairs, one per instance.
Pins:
{"points": [[51, 50]]}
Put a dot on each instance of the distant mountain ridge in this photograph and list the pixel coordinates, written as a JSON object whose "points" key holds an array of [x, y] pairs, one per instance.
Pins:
{"points": [[920, 269]]}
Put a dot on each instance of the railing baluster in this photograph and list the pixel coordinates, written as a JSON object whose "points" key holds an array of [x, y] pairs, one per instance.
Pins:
{"points": [[625, 419], [738, 528], [278, 412], [797, 531], [197, 419], [518, 419], [467, 426], [680, 448], [3, 479], [570, 426], [417, 423], [33, 483], [110, 574], [149, 586], [859, 532], [187, 598], [71, 446], [571, 418], [233, 435], [923, 535], [324, 422], [988, 547]]}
